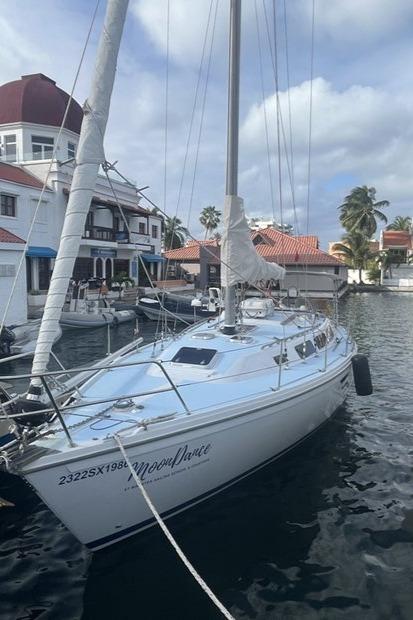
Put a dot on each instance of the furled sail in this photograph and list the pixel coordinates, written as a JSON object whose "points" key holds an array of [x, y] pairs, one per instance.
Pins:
{"points": [[90, 156], [239, 259]]}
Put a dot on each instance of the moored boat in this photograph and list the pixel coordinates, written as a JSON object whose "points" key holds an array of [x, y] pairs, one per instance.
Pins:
{"points": [[194, 412]]}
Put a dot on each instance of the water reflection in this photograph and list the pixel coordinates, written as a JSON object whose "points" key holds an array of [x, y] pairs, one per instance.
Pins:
{"points": [[326, 532]]}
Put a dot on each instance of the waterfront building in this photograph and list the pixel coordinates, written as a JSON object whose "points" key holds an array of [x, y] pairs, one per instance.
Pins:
{"points": [[201, 259], [399, 245], [31, 113]]}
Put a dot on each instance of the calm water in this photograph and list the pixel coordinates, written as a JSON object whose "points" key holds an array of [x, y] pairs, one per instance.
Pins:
{"points": [[326, 532]]}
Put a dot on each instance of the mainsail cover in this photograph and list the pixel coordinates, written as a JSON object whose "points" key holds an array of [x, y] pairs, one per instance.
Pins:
{"points": [[90, 156], [239, 259]]}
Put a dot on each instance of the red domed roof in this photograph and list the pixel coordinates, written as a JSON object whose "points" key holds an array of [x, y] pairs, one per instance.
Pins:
{"points": [[36, 99]]}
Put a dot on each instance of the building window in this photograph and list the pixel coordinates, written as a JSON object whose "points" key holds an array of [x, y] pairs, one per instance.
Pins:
{"points": [[8, 205], [142, 230], [10, 148], [155, 232], [42, 147], [71, 150]]}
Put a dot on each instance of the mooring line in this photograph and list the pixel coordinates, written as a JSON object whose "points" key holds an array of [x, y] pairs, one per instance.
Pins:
{"points": [[169, 536]]}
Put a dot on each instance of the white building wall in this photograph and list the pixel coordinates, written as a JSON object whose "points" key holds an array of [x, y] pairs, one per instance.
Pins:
{"points": [[44, 231], [47, 228], [314, 282], [24, 133], [10, 254]]}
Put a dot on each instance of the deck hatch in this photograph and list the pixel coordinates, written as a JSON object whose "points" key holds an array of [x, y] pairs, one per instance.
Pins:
{"points": [[193, 355], [305, 349]]}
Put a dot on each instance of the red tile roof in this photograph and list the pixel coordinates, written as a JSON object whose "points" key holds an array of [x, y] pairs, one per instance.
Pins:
{"points": [[397, 238], [284, 249], [308, 239], [190, 251], [274, 236], [7, 237], [16, 174], [297, 253]]}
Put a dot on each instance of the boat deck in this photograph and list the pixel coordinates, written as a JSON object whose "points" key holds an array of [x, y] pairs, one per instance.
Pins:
{"points": [[197, 372]]}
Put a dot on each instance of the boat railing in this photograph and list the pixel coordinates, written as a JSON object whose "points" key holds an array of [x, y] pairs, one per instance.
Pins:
{"points": [[58, 407]]}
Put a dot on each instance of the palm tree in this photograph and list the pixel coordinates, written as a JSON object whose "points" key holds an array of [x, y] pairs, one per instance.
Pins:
{"points": [[400, 223], [209, 218], [359, 210], [174, 233], [355, 251]]}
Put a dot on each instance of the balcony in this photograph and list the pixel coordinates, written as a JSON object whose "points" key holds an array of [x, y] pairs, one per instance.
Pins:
{"points": [[98, 233]]}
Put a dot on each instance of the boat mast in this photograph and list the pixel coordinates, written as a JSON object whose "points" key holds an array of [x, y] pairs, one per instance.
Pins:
{"points": [[232, 138], [90, 155]]}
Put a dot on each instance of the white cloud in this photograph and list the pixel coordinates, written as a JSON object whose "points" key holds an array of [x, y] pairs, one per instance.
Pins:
{"points": [[358, 133], [188, 23], [362, 21]]}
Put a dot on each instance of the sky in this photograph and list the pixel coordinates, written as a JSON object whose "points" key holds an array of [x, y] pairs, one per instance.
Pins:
{"points": [[361, 91]]}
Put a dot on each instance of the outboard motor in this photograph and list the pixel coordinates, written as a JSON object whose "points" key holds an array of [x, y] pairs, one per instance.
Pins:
{"points": [[7, 337], [362, 376]]}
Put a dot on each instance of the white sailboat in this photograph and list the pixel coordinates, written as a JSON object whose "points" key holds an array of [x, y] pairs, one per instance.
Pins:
{"points": [[195, 413]]}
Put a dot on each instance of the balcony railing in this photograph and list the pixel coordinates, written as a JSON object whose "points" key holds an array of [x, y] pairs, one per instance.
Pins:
{"points": [[99, 233]]}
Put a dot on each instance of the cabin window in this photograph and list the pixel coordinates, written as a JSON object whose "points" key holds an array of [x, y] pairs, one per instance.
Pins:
{"points": [[192, 355], [305, 349], [10, 147], [70, 150], [42, 147], [320, 340], [8, 205]]}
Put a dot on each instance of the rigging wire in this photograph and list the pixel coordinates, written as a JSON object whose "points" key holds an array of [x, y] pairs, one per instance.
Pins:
{"points": [[202, 111], [165, 178], [191, 125], [281, 114], [265, 110], [278, 108], [290, 130], [310, 132], [52, 161]]}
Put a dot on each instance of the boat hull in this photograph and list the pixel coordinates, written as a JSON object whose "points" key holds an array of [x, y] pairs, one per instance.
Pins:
{"points": [[85, 321], [97, 500], [155, 314]]}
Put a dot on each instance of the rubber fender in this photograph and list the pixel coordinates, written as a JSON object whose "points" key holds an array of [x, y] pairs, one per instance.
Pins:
{"points": [[362, 376]]}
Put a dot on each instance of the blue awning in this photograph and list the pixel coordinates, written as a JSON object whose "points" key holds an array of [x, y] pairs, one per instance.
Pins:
{"points": [[152, 258], [35, 251]]}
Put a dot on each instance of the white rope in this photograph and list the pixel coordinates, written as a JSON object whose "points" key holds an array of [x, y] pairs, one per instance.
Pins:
{"points": [[171, 539]]}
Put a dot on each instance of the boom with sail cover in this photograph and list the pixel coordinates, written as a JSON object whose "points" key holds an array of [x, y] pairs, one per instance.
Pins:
{"points": [[90, 156], [238, 250]]}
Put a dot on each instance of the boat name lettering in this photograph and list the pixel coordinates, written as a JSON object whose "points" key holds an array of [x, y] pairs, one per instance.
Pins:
{"points": [[182, 455]]}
